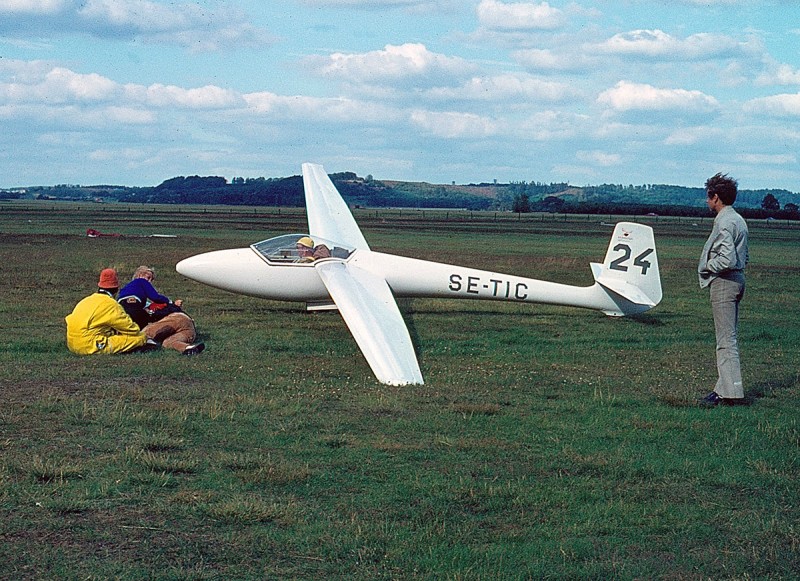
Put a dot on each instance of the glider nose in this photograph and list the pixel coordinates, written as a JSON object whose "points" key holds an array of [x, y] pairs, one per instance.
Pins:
{"points": [[199, 267], [234, 270]]}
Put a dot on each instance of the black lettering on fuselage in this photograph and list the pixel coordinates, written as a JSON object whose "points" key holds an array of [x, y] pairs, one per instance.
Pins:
{"points": [[494, 287]]}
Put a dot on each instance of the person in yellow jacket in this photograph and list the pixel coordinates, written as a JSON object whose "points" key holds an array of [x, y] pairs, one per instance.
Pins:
{"points": [[99, 324]]}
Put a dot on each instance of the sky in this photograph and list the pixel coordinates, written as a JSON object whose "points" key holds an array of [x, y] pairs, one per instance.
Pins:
{"points": [[134, 92]]}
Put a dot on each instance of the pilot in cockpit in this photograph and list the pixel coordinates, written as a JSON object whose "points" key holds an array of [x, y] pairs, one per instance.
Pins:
{"points": [[308, 252]]}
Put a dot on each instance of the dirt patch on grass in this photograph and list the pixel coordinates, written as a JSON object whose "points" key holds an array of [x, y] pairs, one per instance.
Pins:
{"points": [[25, 392], [129, 537], [28, 391]]}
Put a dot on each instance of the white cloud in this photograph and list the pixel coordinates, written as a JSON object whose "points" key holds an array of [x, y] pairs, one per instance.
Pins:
{"points": [[61, 117], [503, 88], [547, 60], [599, 158], [32, 7], [452, 125], [320, 110], [786, 105], [127, 116], [367, 3], [58, 85], [767, 159], [81, 87], [49, 92], [657, 44], [787, 75], [34, 83], [781, 75], [627, 96], [395, 65], [186, 24], [139, 15], [502, 16], [208, 97], [692, 135], [550, 126], [18, 71]]}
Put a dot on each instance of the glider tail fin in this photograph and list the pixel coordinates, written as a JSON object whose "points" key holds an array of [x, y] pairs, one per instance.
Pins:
{"points": [[629, 274]]}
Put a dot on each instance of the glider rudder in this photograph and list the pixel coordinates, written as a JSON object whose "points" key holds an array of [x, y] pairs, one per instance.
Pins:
{"points": [[629, 273]]}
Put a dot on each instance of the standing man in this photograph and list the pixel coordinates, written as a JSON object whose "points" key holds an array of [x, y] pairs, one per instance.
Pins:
{"points": [[721, 268], [98, 324]]}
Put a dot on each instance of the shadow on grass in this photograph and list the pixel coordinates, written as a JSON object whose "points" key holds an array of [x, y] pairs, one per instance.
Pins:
{"points": [[769, 387], [761, 389], [648, 319]]}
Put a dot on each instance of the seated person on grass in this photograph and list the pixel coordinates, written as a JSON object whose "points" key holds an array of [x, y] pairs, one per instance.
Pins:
{"points": [[161, 319], [98, 324]]}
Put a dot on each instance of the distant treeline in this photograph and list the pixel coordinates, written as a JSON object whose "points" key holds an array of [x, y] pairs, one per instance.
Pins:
{"points": [[289, 192], [367, 192], [790, 212], [650, 195]]}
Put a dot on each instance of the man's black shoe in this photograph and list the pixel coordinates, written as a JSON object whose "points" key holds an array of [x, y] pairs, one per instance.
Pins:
{"points": [[194, 349], [711, 399]]}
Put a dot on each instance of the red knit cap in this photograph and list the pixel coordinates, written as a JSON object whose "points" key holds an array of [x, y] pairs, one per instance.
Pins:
{"points": [[108, 279]]}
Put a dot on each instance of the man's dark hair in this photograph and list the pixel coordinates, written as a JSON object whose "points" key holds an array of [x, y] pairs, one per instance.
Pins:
{"points": [[723, 186]]}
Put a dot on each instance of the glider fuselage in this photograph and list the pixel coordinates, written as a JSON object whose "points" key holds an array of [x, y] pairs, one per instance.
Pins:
{"points": [[246, 271]]}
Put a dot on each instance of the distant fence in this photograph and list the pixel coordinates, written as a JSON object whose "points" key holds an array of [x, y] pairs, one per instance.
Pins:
{"points": [[366, 214]]}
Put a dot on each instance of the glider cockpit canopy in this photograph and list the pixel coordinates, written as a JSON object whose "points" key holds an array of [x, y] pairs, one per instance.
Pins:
{"points": [[283, 249]]}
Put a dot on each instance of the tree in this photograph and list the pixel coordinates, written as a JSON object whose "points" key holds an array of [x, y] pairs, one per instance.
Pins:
{"points": [[550, 204], [521, 203], [770, 203]]}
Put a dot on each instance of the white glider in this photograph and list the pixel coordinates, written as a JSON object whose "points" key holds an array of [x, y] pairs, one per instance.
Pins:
{"points": [[363, 284]]}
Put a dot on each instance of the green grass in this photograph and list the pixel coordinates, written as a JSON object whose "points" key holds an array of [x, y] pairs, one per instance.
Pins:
{"points": [[547, 442]]}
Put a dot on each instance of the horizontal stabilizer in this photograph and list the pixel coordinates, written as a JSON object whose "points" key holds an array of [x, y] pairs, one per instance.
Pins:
{"points": [[623, 288]]}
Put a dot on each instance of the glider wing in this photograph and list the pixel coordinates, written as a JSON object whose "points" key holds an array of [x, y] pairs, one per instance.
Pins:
{"points": [[370, 311], [328, 214]]}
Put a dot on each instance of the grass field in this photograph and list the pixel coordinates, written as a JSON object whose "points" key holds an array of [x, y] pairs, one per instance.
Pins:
{"points": [[547, 442]]}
